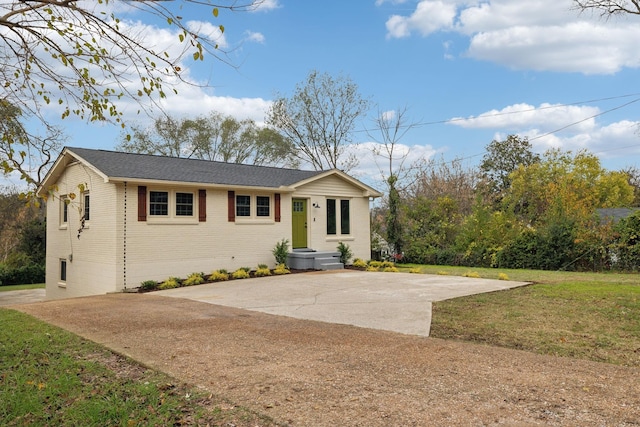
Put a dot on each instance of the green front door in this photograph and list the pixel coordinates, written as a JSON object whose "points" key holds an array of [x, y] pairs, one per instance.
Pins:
{"points": [[299, 220]]}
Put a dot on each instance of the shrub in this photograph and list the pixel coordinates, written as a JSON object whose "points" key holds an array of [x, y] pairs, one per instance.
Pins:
{"points": [[359, 263], [261, 266], [281, 269], [386, 264], [263, 271], [170, 283], [21, 274], [442, 273], [194, 279], [473, 274], [219, 275], [240, 273], [503, 276], [390, 270], [281, 251], [415, 270], [375, 264], [345, 253], [149, 285], [371, 267]]}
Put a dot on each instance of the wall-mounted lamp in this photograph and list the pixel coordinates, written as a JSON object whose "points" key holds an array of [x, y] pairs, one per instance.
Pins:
{"points": [[316, 205]]}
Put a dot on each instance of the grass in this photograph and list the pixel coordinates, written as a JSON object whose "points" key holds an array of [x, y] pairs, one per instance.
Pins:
{"points": [[593, 316], [21, 287], [51, 377]]}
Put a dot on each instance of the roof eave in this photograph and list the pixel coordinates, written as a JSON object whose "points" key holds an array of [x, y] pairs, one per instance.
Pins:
{"points": [[159, 182]]}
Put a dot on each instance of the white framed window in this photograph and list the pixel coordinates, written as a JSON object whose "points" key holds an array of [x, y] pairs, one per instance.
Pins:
{"points": [[254, 207], [86, 206], [184, 204], [63, 270], [243, 206], [159, 203], [263, 206], [64, 210], [169, 206]]}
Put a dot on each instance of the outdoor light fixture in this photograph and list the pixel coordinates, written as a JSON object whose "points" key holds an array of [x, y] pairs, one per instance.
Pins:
{"points": [[316, 205]]}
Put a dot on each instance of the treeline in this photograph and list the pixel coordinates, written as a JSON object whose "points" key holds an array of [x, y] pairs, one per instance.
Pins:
{"points": [[22, 240], [516, 209]]}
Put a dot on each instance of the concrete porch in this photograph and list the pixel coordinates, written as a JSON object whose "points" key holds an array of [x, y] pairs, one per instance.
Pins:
{"points": [[309, 259]]}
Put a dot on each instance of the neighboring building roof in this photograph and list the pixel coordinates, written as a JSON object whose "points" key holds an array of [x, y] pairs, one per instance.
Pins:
{"points": [[615, 214], [119, 166]]}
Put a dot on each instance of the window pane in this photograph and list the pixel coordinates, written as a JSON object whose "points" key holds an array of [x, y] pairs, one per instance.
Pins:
{"points": [[184, 204], [65, 210], [344, 217], [63, 270], [243, 205], [158, 203], [331, 216], [86, 207], [262, 206]]}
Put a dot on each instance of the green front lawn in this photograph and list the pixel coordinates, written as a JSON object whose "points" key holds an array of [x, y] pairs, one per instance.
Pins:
{"points": [[594, 316], [50, 377], [21, 287]]}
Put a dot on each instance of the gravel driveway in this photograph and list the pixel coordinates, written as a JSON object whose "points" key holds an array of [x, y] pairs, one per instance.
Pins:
{"points": [[310, 373]]}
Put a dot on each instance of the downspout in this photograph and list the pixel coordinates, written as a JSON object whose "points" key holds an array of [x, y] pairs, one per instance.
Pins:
{"points": [[124, 241]]}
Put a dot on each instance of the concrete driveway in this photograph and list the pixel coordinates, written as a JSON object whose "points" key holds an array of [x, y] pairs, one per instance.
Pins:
{"points": [[25, 296], [398, 302]]}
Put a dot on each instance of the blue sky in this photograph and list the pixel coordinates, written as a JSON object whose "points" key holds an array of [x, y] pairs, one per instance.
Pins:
{"points": [[467, 71]]}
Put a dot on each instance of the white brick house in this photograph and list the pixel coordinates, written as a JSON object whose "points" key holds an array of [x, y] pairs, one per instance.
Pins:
{"points": [[116, 219]]}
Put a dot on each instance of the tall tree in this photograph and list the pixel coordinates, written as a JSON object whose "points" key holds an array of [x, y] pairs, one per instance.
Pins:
{"points": [[319, 118], [82, 58], [213, 137], [392, 126], [502, 158]]}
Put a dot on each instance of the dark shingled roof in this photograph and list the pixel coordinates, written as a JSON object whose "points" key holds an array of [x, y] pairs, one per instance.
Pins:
{"points": [[149, 167]]}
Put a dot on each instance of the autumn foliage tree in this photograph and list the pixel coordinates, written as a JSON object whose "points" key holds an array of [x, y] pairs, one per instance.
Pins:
{"points": [[79, 58]]}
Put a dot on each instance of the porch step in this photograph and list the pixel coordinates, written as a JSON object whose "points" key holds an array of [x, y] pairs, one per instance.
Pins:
{"points": [[314, 260]]}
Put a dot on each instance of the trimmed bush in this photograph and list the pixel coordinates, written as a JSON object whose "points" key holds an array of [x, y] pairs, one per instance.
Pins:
{"points": [[149, 285], [261, 272], [345, 253], [194, 279], [359, 263], [240, 273], [281, 269], [219, 276], [170, 283]]}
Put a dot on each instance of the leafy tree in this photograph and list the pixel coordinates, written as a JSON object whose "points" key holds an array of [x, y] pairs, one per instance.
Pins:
{"points": [[213, 137], [27, 154], [502, 158], [627, 245], [393, 221], [564, 185], [318, 120], [14, 214], [80, 58], [392, 127]]}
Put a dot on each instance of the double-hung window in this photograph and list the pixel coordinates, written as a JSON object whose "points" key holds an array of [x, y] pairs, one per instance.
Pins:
{"points": [[338, 216], [184, 204], [159, 203], [263, 206], [243, 205]]}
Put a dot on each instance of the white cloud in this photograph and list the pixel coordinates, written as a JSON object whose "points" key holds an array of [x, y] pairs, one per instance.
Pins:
{"points": [[373, 167], [255, 37], [541, 35], [266, 5], [547, 117], [565, 127]]}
